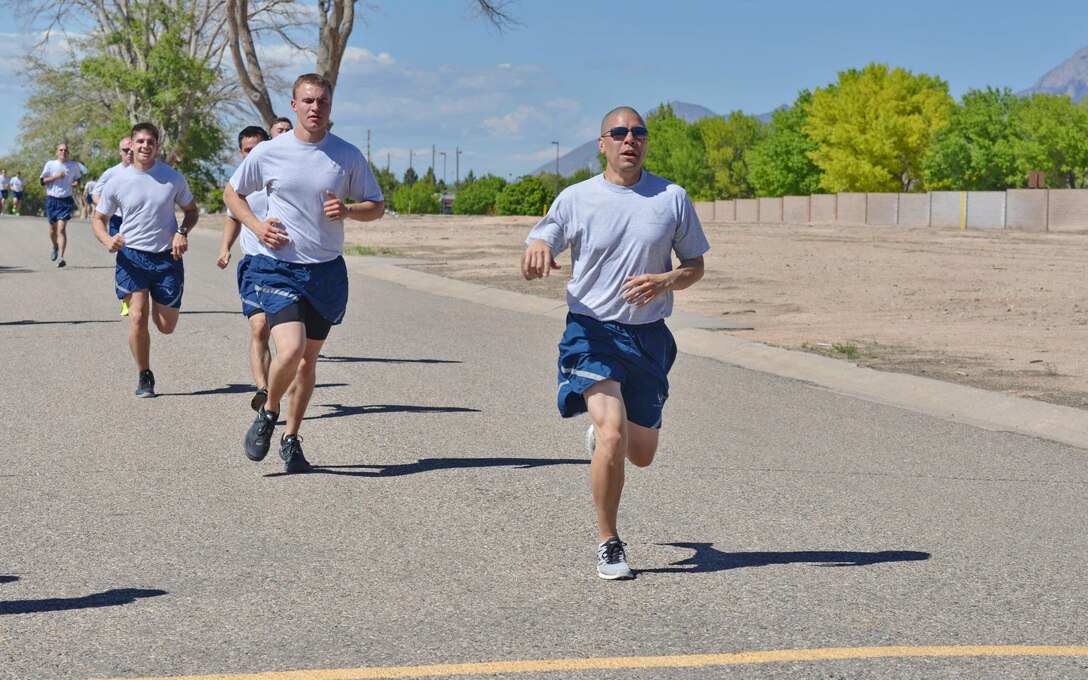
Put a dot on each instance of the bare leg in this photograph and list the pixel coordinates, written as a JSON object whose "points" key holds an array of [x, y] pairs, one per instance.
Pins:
{"points": [[290, 341], [165, 318], [303, 387], [139, 340], [260, 357], [61, 239]]}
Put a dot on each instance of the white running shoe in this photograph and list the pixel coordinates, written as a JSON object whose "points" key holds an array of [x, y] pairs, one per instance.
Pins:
{"points": [[612, 560]]}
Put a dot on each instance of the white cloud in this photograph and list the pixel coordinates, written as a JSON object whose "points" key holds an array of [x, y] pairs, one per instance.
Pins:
{"points": [[516, 124]]}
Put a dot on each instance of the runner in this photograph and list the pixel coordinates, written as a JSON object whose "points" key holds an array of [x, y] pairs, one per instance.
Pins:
{"points": [[622, 227], [299, 273], [259, 355], [18, 186], [59, 176], [150, 274]]}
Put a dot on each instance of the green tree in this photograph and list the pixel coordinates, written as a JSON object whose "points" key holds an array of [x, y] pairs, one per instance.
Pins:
{"points": [[416, 199], [728, 141], [978, 149], [779, 165], [527, 196], [387, 181], [478, 197], [676, 152], [1053, 133], [410, 176], [873, 128]]}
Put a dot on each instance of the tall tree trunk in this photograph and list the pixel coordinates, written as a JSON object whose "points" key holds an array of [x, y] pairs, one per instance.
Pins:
{"points": [[246, 64]]}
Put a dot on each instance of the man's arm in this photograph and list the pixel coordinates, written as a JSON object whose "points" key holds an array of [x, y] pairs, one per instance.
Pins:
{"points": [[181, 241], [231, 229], [642, 289], [101, 232], [537, 261], [267, 232], [364, 211]]}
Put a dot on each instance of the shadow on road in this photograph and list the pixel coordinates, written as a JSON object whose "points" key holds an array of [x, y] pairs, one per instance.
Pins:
{"points": [[8, 579], [232, 388], [356, 360], [76, 322], [708, 559], [109, 598], [432, 464], [15, 270], [339, 410]]}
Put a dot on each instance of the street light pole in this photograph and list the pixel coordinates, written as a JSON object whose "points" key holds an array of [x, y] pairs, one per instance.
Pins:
{"points": [[457, 165], [556, 168]]}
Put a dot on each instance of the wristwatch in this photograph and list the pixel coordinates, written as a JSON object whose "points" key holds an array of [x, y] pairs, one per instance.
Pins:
{"points": [[184, 231]]}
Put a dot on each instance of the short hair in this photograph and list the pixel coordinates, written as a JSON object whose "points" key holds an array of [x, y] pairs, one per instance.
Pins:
{"points": [[618, 109], [253, 131], [282, 119], [145, 127], [310, 79]]}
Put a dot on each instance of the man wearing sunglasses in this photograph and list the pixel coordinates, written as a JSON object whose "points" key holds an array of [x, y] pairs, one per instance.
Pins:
{"points": [[259, 355], [622, 227], [124, 150], [59, 177]]}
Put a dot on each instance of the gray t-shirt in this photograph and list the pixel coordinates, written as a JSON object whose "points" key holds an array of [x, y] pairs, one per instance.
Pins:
{"points": [[614, 232], [247, 240], [146, 200], [105, 177], [61, 188], [296, 174]]}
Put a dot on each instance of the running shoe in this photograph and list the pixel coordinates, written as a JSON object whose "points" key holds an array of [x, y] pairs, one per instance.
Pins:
{"points": [[291, 453], [53, 254], [612, 560], [146, 388], [259, 436], [61, 262], [591, 440], [124, 308], [258, 400]]}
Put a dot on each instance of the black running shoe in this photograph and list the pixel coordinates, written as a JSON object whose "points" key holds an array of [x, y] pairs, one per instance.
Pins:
{"points": [[291, 453], [259, 436], [258, 399], [146, 388]]}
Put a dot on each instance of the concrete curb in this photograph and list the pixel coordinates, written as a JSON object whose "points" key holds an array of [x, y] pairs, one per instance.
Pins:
{"points": [[948, 401]]}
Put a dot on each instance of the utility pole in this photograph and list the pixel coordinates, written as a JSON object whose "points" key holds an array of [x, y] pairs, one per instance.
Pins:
{"points": [[443, 155], [556, 168], [368, 161], [432, 160], [457, 181]]}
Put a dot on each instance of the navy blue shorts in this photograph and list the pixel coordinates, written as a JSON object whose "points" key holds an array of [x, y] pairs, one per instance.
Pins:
{"points": [[158, 273], [3, 193], [57, 209], [115, 224], [246, 290], [636, 356], [278, 284]]}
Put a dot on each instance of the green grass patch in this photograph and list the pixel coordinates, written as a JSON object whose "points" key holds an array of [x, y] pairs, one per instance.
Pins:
{"points": [[372, 251]]}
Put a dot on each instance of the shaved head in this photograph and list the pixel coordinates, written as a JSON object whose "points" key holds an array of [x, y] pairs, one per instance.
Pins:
{"points": [[615, 112]]}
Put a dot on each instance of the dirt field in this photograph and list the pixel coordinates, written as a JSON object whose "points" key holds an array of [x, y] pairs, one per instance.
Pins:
{"points": [[1004, 311]]}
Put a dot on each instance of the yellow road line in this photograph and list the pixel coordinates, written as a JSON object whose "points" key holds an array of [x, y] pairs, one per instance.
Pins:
{"points": [[632, 662]]}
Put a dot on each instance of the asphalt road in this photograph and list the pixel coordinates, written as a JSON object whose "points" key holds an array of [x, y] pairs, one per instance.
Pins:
{"points": [[449, 519]]}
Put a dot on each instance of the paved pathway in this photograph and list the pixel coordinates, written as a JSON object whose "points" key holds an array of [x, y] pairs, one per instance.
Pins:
{"points": [[449, 521]]}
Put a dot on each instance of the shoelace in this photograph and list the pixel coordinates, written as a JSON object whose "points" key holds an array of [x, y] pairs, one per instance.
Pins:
{"points": [[266, 423], [613, 552], [294, 445]]}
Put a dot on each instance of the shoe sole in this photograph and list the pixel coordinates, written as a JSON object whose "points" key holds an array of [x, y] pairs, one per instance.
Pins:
{"points": [[146, 395], [258, 400], [617, 577]]}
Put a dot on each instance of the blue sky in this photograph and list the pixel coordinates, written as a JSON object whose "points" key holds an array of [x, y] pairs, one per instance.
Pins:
{"points": [[424, 72]]}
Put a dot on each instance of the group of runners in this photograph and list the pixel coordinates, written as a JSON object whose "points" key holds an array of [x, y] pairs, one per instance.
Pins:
{"points": [[287, 201], [11, 190]]}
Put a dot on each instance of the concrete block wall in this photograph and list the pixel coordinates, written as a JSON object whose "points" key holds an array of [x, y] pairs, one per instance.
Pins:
{"points": [[1024, 209]]}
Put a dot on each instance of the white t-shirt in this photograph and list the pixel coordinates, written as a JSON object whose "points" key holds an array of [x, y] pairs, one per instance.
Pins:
{"points": [[146, 200], [17, 184], [614, 232], [61, 188], [296, 175], [4, 182], [247, 240], [103, 178], [88, 188]]}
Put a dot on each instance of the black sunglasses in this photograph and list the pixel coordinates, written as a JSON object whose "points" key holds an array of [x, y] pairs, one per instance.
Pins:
{"points": [[619, 134]]}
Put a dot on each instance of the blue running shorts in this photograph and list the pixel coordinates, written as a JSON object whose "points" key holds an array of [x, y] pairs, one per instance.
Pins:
{"points": [[278, 284], [57, 209], [115, 225], [636, 356], [246, 290], [159, 273]]}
